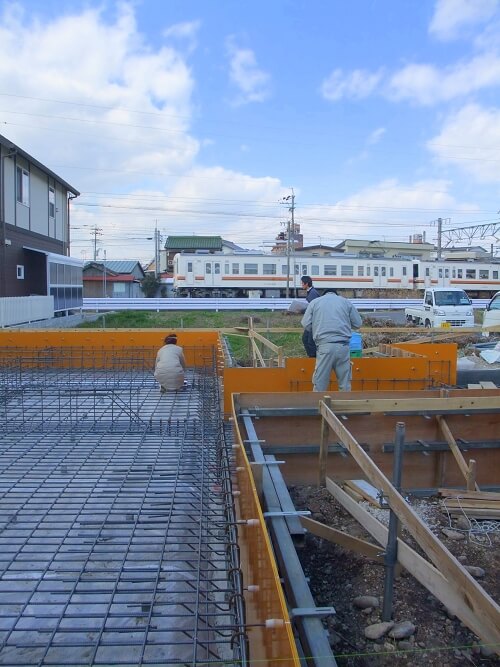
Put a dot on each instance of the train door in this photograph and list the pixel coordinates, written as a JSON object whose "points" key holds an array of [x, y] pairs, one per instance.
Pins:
{"points": [[443, 277], [189, 272], [380, 275], [212, 273]]}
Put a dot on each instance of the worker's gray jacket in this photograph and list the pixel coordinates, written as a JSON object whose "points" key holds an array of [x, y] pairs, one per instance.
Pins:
{"points": [[332, 318]]}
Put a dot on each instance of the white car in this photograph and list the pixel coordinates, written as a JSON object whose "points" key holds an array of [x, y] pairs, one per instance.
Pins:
{"points": [[491, 317]]}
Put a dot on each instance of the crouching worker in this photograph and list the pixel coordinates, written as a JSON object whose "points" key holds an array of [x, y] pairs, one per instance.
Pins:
{"points": [[170, 365]]}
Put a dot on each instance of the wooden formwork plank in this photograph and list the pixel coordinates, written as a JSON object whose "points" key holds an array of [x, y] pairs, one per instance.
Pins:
{"points": [[423, 571], [465, 469], [416, 405], [341, 538], [467, 588]]}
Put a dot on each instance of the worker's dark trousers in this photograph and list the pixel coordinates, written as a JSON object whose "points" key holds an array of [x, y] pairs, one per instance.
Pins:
{"points": [[308, 342]]}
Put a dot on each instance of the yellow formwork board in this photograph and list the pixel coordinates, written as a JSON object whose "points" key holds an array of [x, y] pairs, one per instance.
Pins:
{"points": [[268, 626]]}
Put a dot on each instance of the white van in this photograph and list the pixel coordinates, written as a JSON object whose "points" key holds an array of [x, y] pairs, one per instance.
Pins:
{"points": [[491, 317]]}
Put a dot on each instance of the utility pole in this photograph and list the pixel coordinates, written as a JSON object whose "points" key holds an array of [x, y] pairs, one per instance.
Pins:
{"points": [[440, 236], [104, 276], [157, 250], [96, 231], [290, 235]]}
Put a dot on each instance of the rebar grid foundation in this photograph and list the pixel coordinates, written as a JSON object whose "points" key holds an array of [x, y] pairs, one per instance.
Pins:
{"points": [[117, 530]]}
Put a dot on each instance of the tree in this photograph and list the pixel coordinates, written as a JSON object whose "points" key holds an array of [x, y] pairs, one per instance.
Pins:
{"points": [[149, 285]]}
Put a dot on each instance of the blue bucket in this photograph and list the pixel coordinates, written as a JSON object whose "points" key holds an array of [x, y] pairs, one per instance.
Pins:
{"points": [[356, 345]]}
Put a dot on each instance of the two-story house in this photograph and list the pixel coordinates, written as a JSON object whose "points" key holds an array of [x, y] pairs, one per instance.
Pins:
{"points": [[34, 231]]}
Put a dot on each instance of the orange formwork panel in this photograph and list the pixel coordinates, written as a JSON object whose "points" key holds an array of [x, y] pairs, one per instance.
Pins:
{"points": [[98, 345], [435, 365], [268, 626]]}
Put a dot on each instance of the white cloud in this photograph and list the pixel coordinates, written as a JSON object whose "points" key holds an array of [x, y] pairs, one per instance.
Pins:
{"points": [[469, 140], [427, 85], [387, 210], [376, 136], [452, 16], [184, 32], [356, 84], [252, 82]]}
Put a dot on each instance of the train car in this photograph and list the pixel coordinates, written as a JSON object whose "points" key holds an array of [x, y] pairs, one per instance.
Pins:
{"points": [[252, 274]]}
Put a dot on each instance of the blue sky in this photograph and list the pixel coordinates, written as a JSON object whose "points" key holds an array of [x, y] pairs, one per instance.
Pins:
{"points": [[200, 116]]}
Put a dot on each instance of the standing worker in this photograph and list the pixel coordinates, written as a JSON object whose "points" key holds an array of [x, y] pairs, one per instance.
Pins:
{"points": [[311, 294], [170, 365], [332, 318]]}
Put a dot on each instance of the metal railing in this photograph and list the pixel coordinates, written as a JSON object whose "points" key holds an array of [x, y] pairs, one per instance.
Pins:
{"points": [[241, 304]]}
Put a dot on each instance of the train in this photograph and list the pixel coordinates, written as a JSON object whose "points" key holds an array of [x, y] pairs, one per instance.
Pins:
{"points": [[262, 275]]}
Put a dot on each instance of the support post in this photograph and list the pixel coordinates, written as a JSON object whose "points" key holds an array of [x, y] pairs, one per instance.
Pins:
{"points": [[391, 552], [323, 445]]}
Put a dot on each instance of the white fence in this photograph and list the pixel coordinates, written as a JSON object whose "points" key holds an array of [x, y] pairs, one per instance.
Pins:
{"points": [[242, 304], [21, 309]]}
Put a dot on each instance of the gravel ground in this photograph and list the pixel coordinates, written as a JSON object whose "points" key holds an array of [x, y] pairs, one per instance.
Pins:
{"points": [[68, 322], [337, 576]]}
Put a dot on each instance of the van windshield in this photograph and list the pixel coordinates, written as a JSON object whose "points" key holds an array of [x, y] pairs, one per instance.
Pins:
{"points": [[451, 298]]}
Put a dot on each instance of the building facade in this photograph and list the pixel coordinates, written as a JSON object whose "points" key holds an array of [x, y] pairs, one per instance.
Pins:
{"points": [[113, 279], [34, 231]]}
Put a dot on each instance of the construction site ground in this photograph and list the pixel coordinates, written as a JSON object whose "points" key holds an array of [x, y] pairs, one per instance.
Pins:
{"points": [[337, 576]]}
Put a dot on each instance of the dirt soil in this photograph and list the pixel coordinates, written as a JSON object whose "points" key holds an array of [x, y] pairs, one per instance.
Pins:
{"points": [[337, 576]]}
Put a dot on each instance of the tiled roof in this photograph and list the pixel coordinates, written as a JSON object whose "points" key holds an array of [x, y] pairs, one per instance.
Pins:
{"points": [[194, 243], [118, 265]]}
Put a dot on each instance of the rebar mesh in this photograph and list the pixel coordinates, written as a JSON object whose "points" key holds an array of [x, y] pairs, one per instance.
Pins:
{"points": [[117, 530]]}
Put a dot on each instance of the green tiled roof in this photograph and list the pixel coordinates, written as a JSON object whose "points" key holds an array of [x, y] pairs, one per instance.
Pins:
{"points": [[194, 243]]}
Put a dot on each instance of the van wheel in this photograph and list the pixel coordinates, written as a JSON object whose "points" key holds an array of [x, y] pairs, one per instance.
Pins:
{"points": [[428, 324]]}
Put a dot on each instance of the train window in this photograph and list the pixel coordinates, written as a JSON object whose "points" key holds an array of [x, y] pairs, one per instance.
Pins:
{"points": [[236, 269], [453, 273], [208, 268], [440, 273], [391, 271], [314, 270], [470, 273], [304, 269], [226, 268], [447, 273], [269, 269], [368, 270], [427, 272], [284, 269], [361, 270], [347, 270], [459, 273], [495, 275], [375, 270], [383, 271], [217, 267], [404, 270], [297, 267], [250, 269], [330, 270], [190, 267], [484, 274]]}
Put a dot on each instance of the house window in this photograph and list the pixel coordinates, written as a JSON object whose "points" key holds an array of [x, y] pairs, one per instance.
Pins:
{"points": [[22, 186], [52, 202], [250, 269], [20, 272], [315, 270], [236, 269], [269, 269], [330, 269], [119, 288]]}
